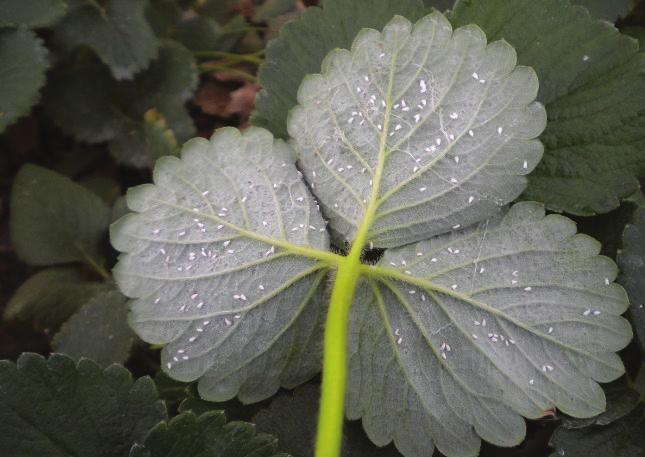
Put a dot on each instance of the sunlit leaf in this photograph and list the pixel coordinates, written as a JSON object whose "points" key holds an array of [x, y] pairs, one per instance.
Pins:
{"points": [[443, 123], [217, 260]]}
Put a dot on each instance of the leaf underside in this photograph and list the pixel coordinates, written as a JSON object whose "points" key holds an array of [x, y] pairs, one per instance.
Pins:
{"points": [[443, 123], [210, 264], [511, 317], [417, 132]]}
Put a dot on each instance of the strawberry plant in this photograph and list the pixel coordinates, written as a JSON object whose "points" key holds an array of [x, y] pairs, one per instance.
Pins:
{"points": [[398, 257]]}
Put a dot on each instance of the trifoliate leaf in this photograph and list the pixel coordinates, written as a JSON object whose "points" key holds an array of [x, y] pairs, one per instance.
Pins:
{"points": [[303, 44], [602, 9], [57, 408], [592, 83], [143, 144], [631, 260], [98, 331], [291, 417], [82, 102], [23, 61], [116, 30], [31, 13], [51, 296], [623, 438], [207, 435], [441, 122], [481, 327], [220, 258], [54, 220]]}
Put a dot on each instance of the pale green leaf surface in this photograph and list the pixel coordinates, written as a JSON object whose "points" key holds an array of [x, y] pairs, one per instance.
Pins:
{"points": [[55, 220], [213, 257], [98, 330], [57, 408], [116, 30], [206, 435], [303, 44], [480, 327], [51, 296], [23, 61], [31, 13], [592, 82], [631, 259], [444, 124]]}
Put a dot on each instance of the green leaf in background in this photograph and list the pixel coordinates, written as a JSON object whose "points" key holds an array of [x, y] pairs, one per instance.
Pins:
{"points": [[163, 16], [23, 61], [54, 220], [207, 435], [631, 259], [509, 318], [98, 330], [622, 399], [57, 408], [82, 102], [593, 85], [622, 438], [273, 8], [142, 119], [51, 296], [446, 123], [608, 10], [302, 45], [144, 143], [291, 417], [218, 257], [31, 13], [166, 86], [117, 30]]}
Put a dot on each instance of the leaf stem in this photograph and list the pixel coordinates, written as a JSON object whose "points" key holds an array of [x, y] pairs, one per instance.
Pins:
{"points": [[334, 376], [254, 58], [98, 268]]}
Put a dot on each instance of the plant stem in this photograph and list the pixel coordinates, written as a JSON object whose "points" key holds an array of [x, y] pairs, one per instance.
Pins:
{"points": [[207, 68], [254, 58], [334, 377], [103, 273]]}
